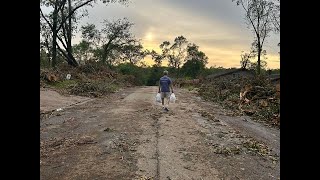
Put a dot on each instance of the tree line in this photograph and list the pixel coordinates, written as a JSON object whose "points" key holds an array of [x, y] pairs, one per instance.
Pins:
{"points": [[114, 43]]}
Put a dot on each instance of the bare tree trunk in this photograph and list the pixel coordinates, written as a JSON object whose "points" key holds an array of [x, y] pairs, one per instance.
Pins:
{"points": [[54, 36], [178, 71], [69, 30], [54, 47], [58, 5], [106, 50], [259, 54], [71, 60]]}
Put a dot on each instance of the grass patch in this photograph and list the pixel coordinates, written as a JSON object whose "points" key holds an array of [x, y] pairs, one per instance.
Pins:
{"points": [[256, 147], [228, 151], [66, 84]]}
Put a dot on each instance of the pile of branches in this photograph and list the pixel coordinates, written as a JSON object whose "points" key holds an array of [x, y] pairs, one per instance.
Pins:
{"points": [[92, 79], [256, 97]]}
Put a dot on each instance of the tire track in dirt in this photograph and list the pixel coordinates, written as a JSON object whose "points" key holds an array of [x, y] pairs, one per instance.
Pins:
{"points": [[157, 150], [170, 139]]}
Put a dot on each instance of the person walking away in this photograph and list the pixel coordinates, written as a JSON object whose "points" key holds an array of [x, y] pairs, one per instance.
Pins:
{"points": [[165, 84]]}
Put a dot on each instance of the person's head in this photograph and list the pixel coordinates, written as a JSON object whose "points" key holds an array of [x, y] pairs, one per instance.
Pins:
{"points": [[165, 72]]}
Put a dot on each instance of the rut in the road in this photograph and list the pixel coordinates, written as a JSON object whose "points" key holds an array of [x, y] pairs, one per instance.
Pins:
{"points": [[157, 149]]}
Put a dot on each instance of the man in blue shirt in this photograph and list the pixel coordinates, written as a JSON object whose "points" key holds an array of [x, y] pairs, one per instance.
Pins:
{"points": [[164, 84]]}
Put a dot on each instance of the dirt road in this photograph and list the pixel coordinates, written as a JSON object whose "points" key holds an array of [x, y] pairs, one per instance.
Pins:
{"points": [[128, 136]]}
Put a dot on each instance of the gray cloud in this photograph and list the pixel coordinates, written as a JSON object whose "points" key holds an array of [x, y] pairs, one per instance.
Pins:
{"points": [[215, 25]]}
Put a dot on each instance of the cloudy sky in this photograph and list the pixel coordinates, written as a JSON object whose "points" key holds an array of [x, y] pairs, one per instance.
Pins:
{"points": [[217, 26]]}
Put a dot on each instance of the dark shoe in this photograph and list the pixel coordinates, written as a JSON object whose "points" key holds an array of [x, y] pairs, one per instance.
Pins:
{"points": [[166, 109]]}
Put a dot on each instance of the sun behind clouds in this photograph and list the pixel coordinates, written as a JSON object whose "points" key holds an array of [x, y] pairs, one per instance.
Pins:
{"points": [[148, 36]]}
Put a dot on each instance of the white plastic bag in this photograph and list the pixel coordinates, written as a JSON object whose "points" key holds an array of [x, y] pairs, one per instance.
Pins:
{"points": [[68, 76], [172, 98], [158, 98]]}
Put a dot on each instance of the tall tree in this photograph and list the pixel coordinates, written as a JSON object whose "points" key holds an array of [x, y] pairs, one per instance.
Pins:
{"points": [[195, 61], [52, 20], [68, 28], [166, 52], [176, 52], [193, 53], [258, 14], [56, 22], [179, 47], [114, 41], [115, 36]]}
